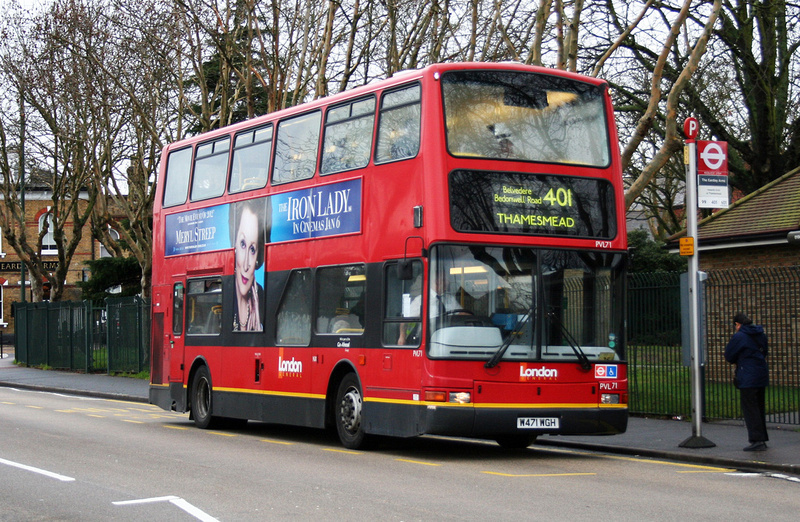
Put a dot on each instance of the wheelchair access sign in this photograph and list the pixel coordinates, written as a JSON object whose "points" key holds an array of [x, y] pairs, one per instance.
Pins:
{"points": [[605, 371]]}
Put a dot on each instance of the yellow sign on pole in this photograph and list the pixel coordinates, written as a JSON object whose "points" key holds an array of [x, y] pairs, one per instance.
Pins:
{"points": [[687, 246]]}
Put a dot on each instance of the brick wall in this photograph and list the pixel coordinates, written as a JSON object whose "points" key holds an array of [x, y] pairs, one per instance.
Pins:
{"points": [[87, 250], [750, 257], [771, 297]]}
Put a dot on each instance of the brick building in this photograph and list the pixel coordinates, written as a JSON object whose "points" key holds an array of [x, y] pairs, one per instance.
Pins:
{"points": [[753, 231], [37, 202]]}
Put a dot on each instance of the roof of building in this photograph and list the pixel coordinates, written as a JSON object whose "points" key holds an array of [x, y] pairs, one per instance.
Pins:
{"points": [[770, 212]]}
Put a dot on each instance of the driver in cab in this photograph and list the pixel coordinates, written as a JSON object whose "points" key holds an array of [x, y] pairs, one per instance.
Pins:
{"points": [[443, 302]]}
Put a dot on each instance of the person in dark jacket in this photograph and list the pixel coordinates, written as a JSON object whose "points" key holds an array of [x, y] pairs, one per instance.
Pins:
{"points": [[747, 349]]}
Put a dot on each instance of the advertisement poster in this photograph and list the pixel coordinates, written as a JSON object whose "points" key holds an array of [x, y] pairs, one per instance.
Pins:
{"points": [[323, 211], [200, 230], [327, 210]]}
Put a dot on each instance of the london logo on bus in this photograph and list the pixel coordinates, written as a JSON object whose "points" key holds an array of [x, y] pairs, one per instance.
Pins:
{"points": [[290, 368], [538, 373]]}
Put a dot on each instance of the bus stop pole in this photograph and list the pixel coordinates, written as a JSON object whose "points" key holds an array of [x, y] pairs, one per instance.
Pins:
{"points": [[696, 440]]}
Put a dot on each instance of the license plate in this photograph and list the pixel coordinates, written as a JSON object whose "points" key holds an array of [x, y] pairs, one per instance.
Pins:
{"points": [[537, 423]]}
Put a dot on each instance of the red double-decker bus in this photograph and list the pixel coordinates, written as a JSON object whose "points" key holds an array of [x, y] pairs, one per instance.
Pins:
{"points": [[441, 252]]}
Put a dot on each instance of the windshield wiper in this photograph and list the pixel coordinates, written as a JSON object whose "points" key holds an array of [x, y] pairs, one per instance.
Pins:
{"points": [[584, 361], [516, 332]]}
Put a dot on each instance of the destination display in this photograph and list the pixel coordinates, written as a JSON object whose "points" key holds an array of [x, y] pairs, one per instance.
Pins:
{"points": [[531, 204]]}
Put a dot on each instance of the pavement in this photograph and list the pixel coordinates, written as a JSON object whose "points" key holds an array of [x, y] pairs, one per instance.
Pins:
{"points": [[648, 437]]}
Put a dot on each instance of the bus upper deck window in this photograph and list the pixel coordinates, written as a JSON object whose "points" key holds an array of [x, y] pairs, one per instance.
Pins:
{"points": [[179, 165], [348, 136], [210, 169], [525, 116], [399, 126], [251, 159], [297, 142]]}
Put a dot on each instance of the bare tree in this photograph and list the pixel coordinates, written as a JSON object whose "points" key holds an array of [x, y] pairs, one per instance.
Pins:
{"points": [[142, 66], [754, 104], [188, 66], [121, 103], [70, 134]]}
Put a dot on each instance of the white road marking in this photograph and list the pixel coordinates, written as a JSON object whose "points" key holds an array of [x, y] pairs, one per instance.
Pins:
{"points": [[46, 473], [766, 474], [176, 501]]}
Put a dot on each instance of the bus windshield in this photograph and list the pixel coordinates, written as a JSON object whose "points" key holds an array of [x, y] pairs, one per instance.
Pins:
{"points": [[525, 116], [535, 304]]}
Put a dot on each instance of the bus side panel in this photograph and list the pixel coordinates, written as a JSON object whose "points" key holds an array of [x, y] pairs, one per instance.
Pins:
{"points": [[157, 366], [394, 419], [272, 408]]}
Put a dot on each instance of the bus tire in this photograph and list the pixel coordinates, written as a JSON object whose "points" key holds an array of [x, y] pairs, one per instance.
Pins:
{"points": [[201, 399], [348, 412], [515, 441]]}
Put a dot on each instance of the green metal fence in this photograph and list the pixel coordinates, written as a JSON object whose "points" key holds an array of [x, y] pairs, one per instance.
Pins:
{"points": [[112, 338], [128, 331], [660, 383], [116, 336]]}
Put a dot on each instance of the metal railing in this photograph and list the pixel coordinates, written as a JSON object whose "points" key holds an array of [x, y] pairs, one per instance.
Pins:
{"points": [[659, 382], [116, 338], [76, 335], [771, 297]]}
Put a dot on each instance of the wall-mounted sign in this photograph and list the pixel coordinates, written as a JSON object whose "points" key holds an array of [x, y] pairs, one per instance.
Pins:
{"points": [[16, 266]]}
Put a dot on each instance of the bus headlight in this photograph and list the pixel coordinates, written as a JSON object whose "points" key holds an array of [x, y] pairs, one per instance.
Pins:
{"points": [[609, 398], [460, 397]]}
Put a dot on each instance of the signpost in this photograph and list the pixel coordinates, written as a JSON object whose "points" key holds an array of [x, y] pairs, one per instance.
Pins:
{"points": [[690, 128], [712, 174]]}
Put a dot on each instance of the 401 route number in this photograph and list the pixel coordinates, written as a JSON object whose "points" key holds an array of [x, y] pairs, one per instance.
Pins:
{"points": [[559, 197]]}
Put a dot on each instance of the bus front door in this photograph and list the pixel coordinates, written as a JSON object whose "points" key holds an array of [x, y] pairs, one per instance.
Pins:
{"points": [[173, 337]]}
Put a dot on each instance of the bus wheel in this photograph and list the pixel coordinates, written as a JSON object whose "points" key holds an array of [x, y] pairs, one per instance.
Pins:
{"points": [[201, 398], [515, 441], [349, 417]]}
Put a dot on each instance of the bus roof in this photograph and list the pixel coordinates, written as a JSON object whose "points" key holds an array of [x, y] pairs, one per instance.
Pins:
{"points": [[397, 79]]}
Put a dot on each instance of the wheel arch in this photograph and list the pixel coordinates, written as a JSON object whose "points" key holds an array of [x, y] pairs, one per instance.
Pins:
{"points": [[341, 369], [198, 362]]}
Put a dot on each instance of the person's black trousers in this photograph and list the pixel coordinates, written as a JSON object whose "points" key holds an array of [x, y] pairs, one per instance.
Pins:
{"points": [[754, 411]]}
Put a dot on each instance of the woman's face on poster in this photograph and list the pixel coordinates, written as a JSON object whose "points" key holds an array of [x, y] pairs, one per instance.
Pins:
{"points": [[246, 249]]}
